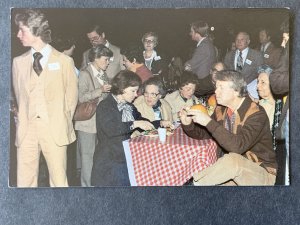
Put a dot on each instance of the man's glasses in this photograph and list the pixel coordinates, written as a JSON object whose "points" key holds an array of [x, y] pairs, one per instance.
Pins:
{"points": [[152, 95]]}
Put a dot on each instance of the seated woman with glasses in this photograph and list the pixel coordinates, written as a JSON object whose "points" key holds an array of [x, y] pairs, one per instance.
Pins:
{"points": [[155, 62], [116, 120], [184, 96], [151, 106], [133, 60]]}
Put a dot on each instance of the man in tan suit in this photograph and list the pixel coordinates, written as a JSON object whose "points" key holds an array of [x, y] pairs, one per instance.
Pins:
{"points": [[45, 86]]}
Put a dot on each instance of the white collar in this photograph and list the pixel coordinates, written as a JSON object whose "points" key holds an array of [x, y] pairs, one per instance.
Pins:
{"points": [[154, 55], [199, 42], [95, 71], [45, 51]]}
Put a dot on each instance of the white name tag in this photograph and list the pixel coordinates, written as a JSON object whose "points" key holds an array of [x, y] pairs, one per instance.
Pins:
{"points": [[249, 62], [266, 56], [53, 66]]}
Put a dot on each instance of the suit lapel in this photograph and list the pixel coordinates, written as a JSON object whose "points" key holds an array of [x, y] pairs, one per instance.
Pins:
{"points": [[53, 60], [248, 58], [27, 67]]}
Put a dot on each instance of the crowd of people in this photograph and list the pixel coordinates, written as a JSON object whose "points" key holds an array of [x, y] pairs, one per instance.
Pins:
{"points": [[134, 91]]}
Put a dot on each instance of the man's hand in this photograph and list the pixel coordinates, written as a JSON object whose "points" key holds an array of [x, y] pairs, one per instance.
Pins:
{"points": [[199, 117], [184, 118]]}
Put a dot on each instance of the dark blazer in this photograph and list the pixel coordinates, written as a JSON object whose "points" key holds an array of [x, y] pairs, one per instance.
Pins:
{"points": [[253, 60], [203, 58], [159, 64], [109, 168], [272, 55], [279, 82]]}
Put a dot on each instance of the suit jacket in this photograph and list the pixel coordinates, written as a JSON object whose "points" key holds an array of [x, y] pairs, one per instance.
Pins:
{"points": [[61, 94], [253, 60], [203, 58], [159, 64], [114, 67], [88, 89], [272, 55]]}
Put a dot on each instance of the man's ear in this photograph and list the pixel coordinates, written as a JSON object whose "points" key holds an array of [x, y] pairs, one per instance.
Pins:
{"points": [[134, 61], [103, 35]]}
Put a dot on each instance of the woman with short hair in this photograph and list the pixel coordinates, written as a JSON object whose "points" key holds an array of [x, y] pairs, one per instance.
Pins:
{"points": [[116, 119], [151, 105], [184, 96], [92, 84]]}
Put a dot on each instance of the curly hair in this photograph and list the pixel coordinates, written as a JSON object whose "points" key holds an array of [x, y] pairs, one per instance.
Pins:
{"points": [[36, 21]]}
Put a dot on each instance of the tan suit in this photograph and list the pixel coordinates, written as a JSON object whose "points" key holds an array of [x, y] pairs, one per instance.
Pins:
{"points": [[59, 85]]}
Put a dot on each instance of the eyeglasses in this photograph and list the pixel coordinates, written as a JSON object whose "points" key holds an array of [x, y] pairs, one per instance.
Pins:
{"points": [[152, 95], [148, 41], [96, 38]]}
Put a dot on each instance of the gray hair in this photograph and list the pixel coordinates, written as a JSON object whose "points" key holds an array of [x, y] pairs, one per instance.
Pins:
{"points": [[264, 69], [239, 83], [156, 81]]}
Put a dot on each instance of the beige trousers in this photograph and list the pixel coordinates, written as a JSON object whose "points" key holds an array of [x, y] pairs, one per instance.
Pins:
{"points": [[234, 167], [38, 139]]}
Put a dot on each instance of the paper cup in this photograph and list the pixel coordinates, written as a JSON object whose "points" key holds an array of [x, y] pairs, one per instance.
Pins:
{"points": [[162, 134]]}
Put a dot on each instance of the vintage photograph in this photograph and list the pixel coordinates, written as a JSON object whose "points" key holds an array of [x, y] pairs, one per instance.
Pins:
{"points": [[149, 97]]}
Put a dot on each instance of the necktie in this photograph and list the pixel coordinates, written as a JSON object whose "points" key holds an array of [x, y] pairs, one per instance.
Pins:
{"points": [[36, 63], [239, 63], [229, 120]]}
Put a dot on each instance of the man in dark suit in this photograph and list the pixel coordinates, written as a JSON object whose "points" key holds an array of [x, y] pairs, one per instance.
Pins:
{"points": [[204, 55], [270, 52], [244, 59], [97, 36], [203, 58]]}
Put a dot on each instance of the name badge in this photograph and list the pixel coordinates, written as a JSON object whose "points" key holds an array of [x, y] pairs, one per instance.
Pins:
{"points": [[53, 66], [266, 56], [249, 62]]}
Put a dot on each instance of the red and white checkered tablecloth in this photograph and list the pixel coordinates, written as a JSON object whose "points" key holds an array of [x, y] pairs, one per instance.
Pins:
{"points": [[151, 163]]}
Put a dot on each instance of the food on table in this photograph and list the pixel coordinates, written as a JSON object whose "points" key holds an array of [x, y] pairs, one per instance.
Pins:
{"points": [[154, 132]]}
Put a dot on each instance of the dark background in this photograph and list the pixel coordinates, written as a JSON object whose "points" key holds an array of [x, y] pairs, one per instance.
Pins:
{"points": [[149, 205], [123, 26]]}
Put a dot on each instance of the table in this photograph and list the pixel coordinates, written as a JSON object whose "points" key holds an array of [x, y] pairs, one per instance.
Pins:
{"points": [[151, 163]]}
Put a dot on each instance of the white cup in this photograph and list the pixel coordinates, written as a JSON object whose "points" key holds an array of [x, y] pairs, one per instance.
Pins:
{"points": [[162, 134]]}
